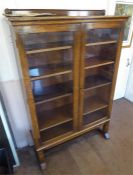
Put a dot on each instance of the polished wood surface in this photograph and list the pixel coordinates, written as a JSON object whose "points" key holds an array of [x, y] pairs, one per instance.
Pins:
{"points": [[69, 65], [57, 12]]}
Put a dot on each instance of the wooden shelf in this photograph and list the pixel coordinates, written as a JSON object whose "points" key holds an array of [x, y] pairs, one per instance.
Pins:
{"points": [[51, 75], [95, 62], [50, 71], [53, 98], [51, 118], [56, 131], [96, 81], [92, 104], [47, 47], [101, 43], [94, 117], [53, 92]]}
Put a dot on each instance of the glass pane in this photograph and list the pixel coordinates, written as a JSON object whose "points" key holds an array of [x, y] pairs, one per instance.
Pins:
{"points": [[96, 99], [100, 35], [33, 41], [52, 87], [95, 116], [99, 76], [54, 113], [100, 54], [50, 61], [56, 131], [99, 61]]}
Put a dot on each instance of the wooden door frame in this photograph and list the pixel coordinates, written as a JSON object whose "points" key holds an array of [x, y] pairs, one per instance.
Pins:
{"points": [[96, 25], [26, 79]]}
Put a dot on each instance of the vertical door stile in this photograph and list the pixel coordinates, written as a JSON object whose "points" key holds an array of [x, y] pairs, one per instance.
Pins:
{"points": [[76, 77], [81, 75]]}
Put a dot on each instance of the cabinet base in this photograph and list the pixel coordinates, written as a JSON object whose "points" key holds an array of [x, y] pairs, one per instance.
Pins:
{"points": [[61, 139]]}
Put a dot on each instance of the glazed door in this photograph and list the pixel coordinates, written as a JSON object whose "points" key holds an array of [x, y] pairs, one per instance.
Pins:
{"points": [[98, 72], [52, 60]]}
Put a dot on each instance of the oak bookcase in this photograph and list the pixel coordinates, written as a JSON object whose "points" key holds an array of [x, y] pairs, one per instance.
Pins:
{"points": [[69, 60]]}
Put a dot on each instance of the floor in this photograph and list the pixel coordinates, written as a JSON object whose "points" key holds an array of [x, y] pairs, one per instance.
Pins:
{"points": [[90, 154]]}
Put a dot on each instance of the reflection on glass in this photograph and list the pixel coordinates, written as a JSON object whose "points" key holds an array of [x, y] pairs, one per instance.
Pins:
{"points": [[47, 40], [50, 62], [100, 35], [100, 54]]}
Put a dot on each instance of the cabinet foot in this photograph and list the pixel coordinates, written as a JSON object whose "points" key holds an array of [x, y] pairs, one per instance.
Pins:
{"points": [[41, 158], [105, 130], [106, 135], [43, 166]]}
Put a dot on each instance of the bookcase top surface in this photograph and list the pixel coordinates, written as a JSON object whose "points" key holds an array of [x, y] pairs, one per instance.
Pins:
{"points": [[51, 12], [26, 15]]}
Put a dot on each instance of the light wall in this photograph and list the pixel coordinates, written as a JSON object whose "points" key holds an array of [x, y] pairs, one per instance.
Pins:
{"points": [[129, 87], [126, 56], [10, 81]]}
